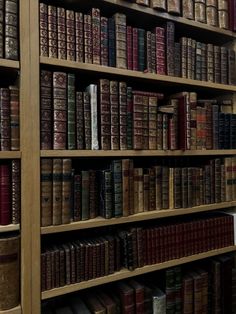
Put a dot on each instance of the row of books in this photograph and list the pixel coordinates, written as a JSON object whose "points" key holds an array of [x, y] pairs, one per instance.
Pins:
{"points": [[219, 13], [90, 38], [9, 29], [10, 192], [122, 188], [9, 119], [106, 253], [110, 115], [204, 288]]}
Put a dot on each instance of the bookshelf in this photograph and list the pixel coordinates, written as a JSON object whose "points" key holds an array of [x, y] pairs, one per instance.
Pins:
{"points": [[31, 154], [10, 64], [16, 310], [9, 228]]}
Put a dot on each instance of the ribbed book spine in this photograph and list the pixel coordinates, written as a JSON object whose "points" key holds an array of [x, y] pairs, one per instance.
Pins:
{"points": [[43, 30], [59, 110], [14, 118], [125, 186], [1, 28], [88, 46], [114, 107], [173, 6], [198, 70], [152, 122], [77, 197], [159, 5], [117, 187], [129, 48], [170, 48], [189, 58], [141, 49], [5, 194], [87, 120], [85, 194], [160, 51], [66, 190], [224, 65], [92, 90], [204, 62], [145, 121], [71, 141], [111, 42], [46, 109], [184, 49], [135, 49], [96, 35], [123, 115], [93, 210], [61, 33], [217, 67], [105, 114], [129, 118], [70, 35], [210, 63], [46, 192], [104, 41], [177, 61], [107, 194], [120, 31], [57, 191], [79, 120], [5, 126], [188, 9], [148, 51], [137, 121], [79, 37], [11, 30], [52, 32], [15, 188], [231, 67]]}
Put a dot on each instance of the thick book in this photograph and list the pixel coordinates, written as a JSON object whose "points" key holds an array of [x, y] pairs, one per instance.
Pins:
{"points": [[43, 30], [96, 35], [14, 118], [170, 48], [61, 33], [52, 32], [123, 115], [79, 37], [79, 120], [46, 110], [57, 191], [71, 142], [88, 45], [117, 187], [46, 192], [121, 42], [174, 7], [70, 35], [87, 120], [104, 41], [66, 190], [158, 4], [105, 114], [11, 29], [92, 90], [114, 109], [5, 123]]}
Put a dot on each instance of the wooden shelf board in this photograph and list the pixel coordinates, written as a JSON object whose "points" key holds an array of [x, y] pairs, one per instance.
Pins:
{"points": [[135, 74], [178, 19], [135, 153], [124, 274], [10, 154], [4, 63], [15, 310], [8, 228], [101, 222]]}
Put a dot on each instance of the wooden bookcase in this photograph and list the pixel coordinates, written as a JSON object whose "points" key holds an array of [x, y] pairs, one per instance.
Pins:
{"points": [[30, 154]]}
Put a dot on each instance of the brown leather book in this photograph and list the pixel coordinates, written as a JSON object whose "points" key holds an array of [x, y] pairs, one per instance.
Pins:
{"points": [[46, 129], [11, 30], [138, 190], [1, 29], [61, 33], [66, 190], [94, 304], [52, 32], [114, 107], [43, 29], [57, 192], [96, 35], [70, 35], [14, 118], [107, 302], [46, 192], [123, 115], [125, 186], [79, 37], [120, 35], [5, 126], [88, 46], [105, 114]]}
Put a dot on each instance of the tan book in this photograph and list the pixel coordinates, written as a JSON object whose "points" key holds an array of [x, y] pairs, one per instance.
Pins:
{"points": [[138, 190]]}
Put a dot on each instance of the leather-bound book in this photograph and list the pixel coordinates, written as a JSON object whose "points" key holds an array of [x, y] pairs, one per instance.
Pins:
{"points": [[193, 59], [93, 194], [2, 28], [11, 30], [177, 61], [227, 130], [129, 35], [215, 126], [210, 63], [137, 120], [92, 90], [159, 5], [104, 41], [120, 36], [111, 42], [61, 33], [200, 11], [46, 109], [165, 187], [174, 7], [88, 45], [71, 142], [129, 118], [66, 190], [204, 62], [148, 51], [96, 35], [52, 32], [79, 120], [106, 194], [107, 302], [146, 183], [233, 131], [43, 29], [184, 50], [57, 191], [184, 186], [222, 121], [189, 57], [224, 65], [158, 187], [9, 271], [138, 295], [125, 186], [170, 48], [94, 304], [131, 186], [152, 189], [117, 187], [123, 115], [85, 194], [178, 290], [138, 190], [43, 271], [165, 131], [5, 127], [68, 263], [5, 194], [59, 110], [153, 50], [152, 121], [187, 294], [217, 65], [143, 2], [105, 114], [114, 109], [145, 121], [79, 37], [77, 205], [188, 9], [177, 188], [15, 191], [87, 120], [170, 290], [198, 70], [70, 35], [141, 49], [160, 50], [135, 49], [14, 118], [46, 192], [126, 294], [231, 67]]}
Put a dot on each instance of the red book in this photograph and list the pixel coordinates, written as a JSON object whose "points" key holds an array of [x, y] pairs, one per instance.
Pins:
{"points": [[5, 127], [160, 50], [135, 49], [5, 195]]}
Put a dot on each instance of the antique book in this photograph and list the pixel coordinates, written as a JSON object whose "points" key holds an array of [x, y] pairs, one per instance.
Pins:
{"points": [[87, 121], [71, 142], [66, 190], [123, 115], [177, 60], [135, 49], [46, 110], [212, 16], [170, 48], [14, 118], [200, 12], [137, 120], [183, 47], [159, 4], [70, 35], [111, 42], [187, 294], [88, 44], [152, 121], [77, 201], [160, 50], [43, 30], [11, 30], [104, 41], [107, 302], [138, 190], [224, 65], [125, 187], [79, 121], [129, 118], [210, 63], [46, 192], [188, 9], [79, 37], [231, 67], [61, 33], [106, 196], [94, 304], [10, 271], [217, 64], [5, 194], [57, 191], [117, 187], [120, 37], [96, 35], [114, 109], [92, 90], [143, 2], [15, 190], [141, 49], [59, 110], [85, 195], [105, 114], [5, 123], [129, 47], [149, 52], [174, 7], [52, 32]]}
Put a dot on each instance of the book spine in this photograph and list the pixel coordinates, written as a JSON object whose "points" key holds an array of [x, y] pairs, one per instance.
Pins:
{"points": [[87, 120], [71, 137], [52, 32], [131, 187], [228, 179], [96, 35], [70, 35], [159, 184], [46, 109], [210, 63], [43, 31], [189, 58], [15, 188], [146, 181], [114, 109], [57, 191], [104, 41], [217, 66], [111, 42], [200, 12], [177, 60], [93, 195], [152, 121], [120, 31], [184, 50], [85, 194], [11, 30], [173, 6], [209, 126], [129, 118], [79, 120], [231, 67], [145, 121], [123, 115], [92, 90], [129, 53], [59, 110], [153, 50], [138, 190], [5, 126], [170, 48], [5, 195], [14, 118], [160, 51], [61, 33], [159, 5], [125, 186], [88, 58], [148, 51], [66, 190], [77, 197], [79, 37], [117, 187], [137, 121], [204, 62], [224, 65], [135, 49], [188, 9], [198, 71], [105, 115], [46, 192], [141, 49]]}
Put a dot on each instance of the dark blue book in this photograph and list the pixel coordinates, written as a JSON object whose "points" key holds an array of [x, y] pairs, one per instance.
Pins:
{"points": [[233, 131], [221, 130], [111, 42], [227, 130]]}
